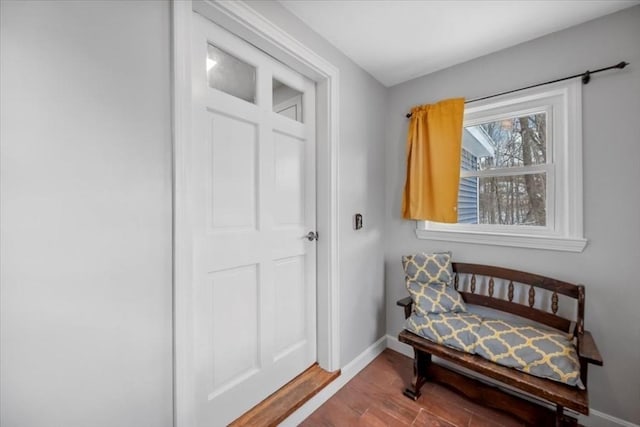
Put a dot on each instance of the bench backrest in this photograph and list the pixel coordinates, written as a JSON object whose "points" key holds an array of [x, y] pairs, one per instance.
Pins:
{"points": [[504, 289]]}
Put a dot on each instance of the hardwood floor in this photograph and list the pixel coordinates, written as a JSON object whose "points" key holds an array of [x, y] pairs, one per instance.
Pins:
{"points": [[374, 398]]}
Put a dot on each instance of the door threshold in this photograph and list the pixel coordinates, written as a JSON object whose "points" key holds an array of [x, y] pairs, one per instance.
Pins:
{"points": [[285, 401]]}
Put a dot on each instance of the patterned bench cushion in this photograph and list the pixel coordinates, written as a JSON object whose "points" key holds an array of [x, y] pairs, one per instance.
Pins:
{"points": [[434, 298], [536, 351], [427, 278], [454, 330], [428, 268]]}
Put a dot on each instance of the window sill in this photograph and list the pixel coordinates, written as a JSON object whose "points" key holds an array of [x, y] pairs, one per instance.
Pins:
{"points": [[566, 244]]}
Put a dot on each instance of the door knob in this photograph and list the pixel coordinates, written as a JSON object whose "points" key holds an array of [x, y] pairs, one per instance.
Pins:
{"points": [[312, 235]]}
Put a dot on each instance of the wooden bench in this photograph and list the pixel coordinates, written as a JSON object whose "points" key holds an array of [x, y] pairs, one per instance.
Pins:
{"points": [[525, 295]]}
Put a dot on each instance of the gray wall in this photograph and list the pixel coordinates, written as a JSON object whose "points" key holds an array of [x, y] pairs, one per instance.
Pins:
{"points": [[86, 210], [611, 109], [361, 187], [86, 214]]}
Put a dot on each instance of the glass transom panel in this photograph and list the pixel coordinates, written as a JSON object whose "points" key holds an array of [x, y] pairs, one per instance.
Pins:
{"points": [[231, 75], [287, 101]]}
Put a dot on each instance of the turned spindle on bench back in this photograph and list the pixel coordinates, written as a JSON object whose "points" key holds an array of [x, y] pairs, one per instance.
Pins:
{"points": [[540, 302]]}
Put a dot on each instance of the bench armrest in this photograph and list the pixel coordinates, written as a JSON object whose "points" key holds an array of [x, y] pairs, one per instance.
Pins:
{"points": [[407, 303], [588, 350]]}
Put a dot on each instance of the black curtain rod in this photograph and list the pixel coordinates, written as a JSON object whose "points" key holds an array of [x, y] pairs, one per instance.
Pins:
{"points": [[586, 77]]}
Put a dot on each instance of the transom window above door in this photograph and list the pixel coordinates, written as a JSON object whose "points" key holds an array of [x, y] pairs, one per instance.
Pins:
{"points": [[230, 74], [233, 76], [286, 100]]}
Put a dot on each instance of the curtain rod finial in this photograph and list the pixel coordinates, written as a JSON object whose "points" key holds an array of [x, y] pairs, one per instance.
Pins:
{"points": [[408, 116], [622, 64]]}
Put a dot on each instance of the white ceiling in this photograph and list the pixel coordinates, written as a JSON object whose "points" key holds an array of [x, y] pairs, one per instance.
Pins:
{"points": [[399, 40]]}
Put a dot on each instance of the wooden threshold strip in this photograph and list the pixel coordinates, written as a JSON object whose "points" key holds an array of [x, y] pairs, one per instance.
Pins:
{"points": [[278, 406]]}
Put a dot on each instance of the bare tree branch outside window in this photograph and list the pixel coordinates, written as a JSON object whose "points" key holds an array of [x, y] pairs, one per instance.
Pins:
{"points": [[513, 197]]}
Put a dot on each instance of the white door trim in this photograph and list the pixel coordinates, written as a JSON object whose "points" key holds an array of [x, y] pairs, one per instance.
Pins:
{"points": [[240, 19]]}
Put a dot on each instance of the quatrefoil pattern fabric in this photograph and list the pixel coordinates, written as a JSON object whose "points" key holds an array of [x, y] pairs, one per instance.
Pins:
{"points": [[540, 352], [434, 298], [536, 351], [451, 329], [428, 268]]}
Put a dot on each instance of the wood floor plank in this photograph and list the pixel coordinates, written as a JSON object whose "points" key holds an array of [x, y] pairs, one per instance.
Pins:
{"points": [[335, 414], [387, 418], [356, 401], [369, 419], [449, 412], [394, 404], [425, 419]]}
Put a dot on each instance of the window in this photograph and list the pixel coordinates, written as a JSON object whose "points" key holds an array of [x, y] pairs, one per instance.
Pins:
{"points": [[521, 172]]}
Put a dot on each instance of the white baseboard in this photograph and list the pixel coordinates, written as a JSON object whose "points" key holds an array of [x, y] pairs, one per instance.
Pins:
{"points": [[400, 347], [600, 419], [595, 419], [348, 372]]}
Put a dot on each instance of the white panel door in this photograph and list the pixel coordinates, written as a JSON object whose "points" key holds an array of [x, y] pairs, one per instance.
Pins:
{"points": [[252, 197]]}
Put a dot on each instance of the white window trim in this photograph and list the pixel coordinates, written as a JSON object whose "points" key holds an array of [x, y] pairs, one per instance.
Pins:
{"points": [[564, 230]]}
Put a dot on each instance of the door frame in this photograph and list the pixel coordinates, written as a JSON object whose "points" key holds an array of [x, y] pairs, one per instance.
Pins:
{"points": [[242, 20]]}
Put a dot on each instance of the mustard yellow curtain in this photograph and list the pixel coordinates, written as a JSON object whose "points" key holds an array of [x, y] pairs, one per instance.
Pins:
{"points": [[434, 146]]}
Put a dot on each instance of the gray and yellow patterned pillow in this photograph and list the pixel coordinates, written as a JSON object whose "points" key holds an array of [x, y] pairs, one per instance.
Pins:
{"points": [[455, 330], [540, 352], [428, 268], [434, 298]]}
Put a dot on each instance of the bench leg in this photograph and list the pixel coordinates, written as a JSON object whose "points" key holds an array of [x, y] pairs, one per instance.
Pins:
{"points": [[559, 416], [421, 362], [563, 420]]}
